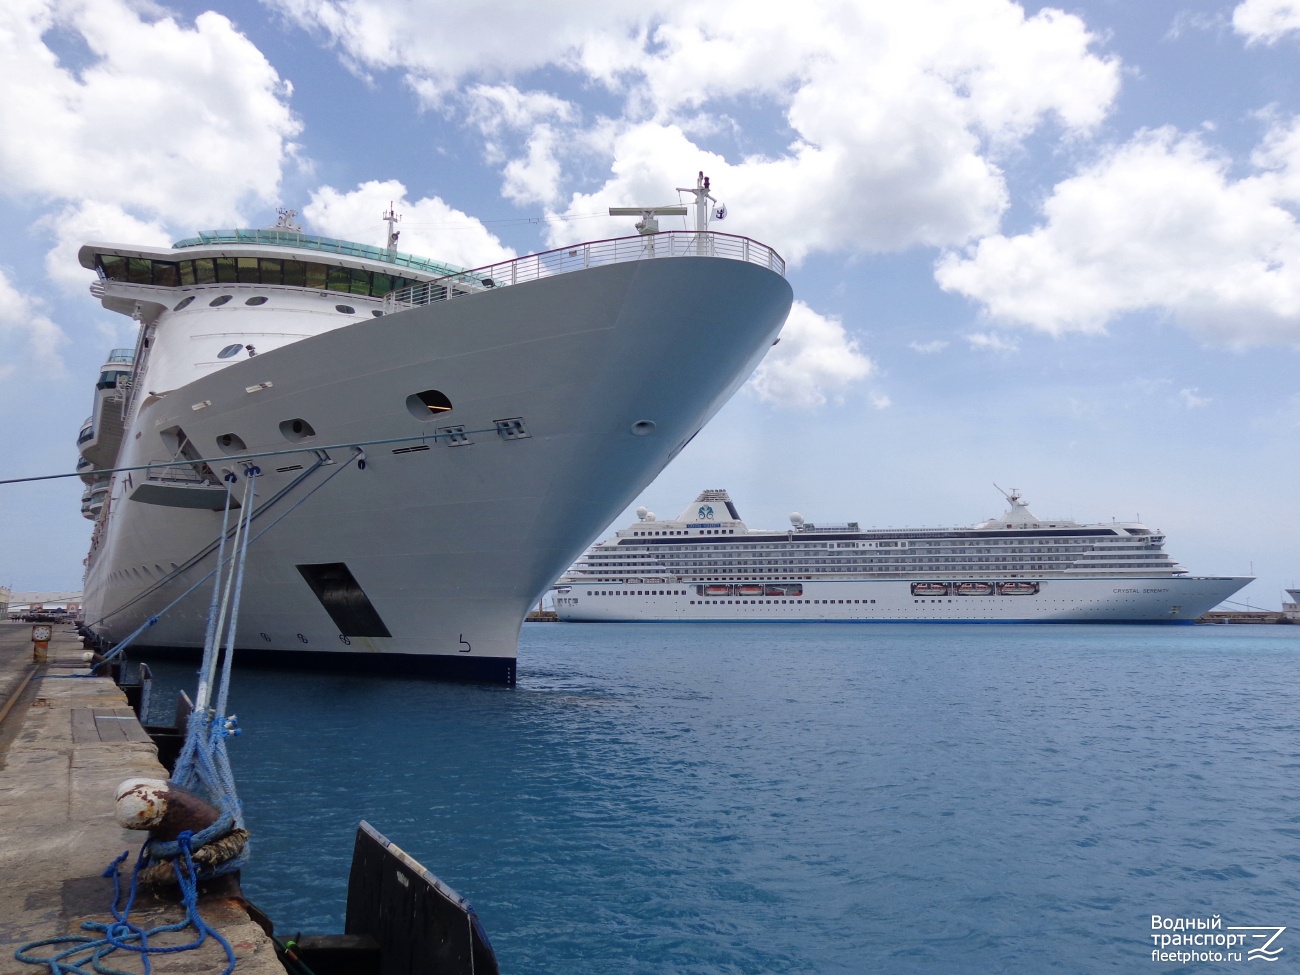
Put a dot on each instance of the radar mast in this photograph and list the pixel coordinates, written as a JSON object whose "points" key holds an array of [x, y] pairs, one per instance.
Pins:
{"points": [[391, 217]]}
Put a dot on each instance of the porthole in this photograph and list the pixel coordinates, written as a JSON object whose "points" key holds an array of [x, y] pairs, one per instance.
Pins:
{"points": [[427, 405], [230, 350], [231, 443], [218, 302], [259, 300], [296, 430], [643, 428], [185, 303], [377, 313], [345, 309]]}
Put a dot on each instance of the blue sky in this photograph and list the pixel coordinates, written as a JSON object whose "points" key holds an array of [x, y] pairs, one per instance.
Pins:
{"points": [[1055, 249]]}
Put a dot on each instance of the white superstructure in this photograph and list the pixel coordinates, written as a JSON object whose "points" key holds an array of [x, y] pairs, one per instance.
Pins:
{"points": [[707, 565], [524, 404]]}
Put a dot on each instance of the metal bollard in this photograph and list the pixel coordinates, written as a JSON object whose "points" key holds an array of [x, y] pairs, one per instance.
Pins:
{"points": [[41, 642]]}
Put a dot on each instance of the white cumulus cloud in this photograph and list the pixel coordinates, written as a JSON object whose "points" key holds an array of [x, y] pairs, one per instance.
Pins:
{"points": [[1266, 21], [1192, 399], [814, 362], [23, 318], [184, 126], [928, 348], [895, 113], [992, 342], [429, 228], [1156, 223]]}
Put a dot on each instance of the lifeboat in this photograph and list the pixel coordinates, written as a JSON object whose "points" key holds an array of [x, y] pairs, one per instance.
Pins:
{"points": [[929, 589], [750, 591], [1018, 588], [974, 589], [791, 590], [717, 590]]}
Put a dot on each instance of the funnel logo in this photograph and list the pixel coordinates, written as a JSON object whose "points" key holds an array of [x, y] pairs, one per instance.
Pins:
{"points": [[706, 512]]}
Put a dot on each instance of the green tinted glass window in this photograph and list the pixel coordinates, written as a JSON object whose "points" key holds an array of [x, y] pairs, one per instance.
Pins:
{"points": [[114, 267], [270, 271], [226, 270], [316, 274], [205, 271], [360, 281], [139, 270], [247, 270], [166, 274], [295, 274], [339, 279], [382, 285], [187, 272]]}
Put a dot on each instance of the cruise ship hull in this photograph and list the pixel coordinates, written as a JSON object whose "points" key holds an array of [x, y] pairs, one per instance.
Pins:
{"points": [[1180, 599], [608, 372]]}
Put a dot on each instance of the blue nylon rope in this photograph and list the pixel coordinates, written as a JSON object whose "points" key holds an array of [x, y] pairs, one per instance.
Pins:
{"points": [[203, 767], [122, 934]]}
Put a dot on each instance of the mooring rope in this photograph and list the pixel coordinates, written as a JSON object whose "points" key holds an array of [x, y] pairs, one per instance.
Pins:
{"points": [[123, 934], [203, 767]]}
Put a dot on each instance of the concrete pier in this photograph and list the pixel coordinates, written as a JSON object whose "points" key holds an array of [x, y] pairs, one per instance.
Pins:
{"points": [[64, 747]]}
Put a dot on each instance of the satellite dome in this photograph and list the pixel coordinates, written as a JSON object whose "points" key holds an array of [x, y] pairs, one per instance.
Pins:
{"points": [[641, 512], [796, 519]]}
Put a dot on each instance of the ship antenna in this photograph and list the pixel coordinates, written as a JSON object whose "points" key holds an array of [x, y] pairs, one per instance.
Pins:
{"points": [[702, 199], [648, 224], [391, 217]]}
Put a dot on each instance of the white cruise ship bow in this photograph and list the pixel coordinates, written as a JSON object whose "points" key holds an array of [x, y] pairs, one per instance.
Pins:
{"points": [[528, 403]]}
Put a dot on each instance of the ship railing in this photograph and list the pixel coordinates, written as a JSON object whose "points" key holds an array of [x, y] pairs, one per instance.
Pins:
{"points": [[180, 474], [579, 257]]}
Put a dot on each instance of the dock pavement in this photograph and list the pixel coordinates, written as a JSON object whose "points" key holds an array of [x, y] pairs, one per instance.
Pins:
{"points": [[65, 745]]}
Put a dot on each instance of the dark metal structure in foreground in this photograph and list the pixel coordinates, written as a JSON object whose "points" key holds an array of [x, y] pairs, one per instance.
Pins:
{"points": [[422, 926]]}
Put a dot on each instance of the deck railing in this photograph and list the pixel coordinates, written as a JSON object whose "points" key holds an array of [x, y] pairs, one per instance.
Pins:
{"points": [[578, 257]]}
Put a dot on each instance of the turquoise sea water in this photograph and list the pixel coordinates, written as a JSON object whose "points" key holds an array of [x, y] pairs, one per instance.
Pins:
{"points": [[802, 798]]}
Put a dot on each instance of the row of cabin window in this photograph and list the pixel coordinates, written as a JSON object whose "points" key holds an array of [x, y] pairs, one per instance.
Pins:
{"points": [[250, 270], [768, 602]]}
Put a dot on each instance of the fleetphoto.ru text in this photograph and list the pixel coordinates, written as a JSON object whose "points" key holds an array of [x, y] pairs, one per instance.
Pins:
{"points": [[1192, 939]]}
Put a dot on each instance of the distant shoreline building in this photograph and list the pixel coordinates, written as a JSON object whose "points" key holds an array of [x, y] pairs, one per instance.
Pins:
{"points": [[27, 602]]}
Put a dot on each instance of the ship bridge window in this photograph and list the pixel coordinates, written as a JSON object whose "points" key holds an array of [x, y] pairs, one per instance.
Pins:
{"points": [[259, 300], [184, 303], [229, 351], [218, 302], [345, 309], [428, 404], [249, 270], [108, 380]]}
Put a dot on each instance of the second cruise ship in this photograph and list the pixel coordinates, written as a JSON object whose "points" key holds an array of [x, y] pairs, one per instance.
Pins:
{"points": [[706, 564]]}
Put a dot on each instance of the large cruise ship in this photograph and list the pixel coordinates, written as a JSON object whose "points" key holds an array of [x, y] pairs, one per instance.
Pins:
{"points": [[435, 445], [707, 565]]}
